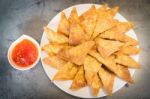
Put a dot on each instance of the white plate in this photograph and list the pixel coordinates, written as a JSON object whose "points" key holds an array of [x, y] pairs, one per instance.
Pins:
{"points": [[64, 85]]}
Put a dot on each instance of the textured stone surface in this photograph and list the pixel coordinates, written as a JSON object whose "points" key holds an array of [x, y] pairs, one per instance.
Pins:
{"points": [[29, 17]]}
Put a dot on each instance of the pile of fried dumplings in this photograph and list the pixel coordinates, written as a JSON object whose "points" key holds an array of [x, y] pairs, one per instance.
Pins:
{"points": [[91, 49]]}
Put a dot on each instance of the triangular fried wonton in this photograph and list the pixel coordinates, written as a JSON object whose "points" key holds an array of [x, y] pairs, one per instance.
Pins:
{"points": [[130, 41], [56, 37], [117, 32], [127, 61], [129, 50], [112, 35], [104, 22], [102, 9], [119, 70], [107, 79], [124, 73], [63, 26], [88, 21], [78, 53], [123, 27], [96, 85], [91, 64], [91, 67], [54, 61], [74, 16], [95, 54], [89, 76], [53, 49], [79, 80], [110, 63], [107, 47], [67, 72], [105, 12], [77, 34], [103, 25], [113, 11]]}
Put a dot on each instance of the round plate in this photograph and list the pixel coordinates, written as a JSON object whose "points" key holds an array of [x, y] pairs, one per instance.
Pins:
{"points": [[64, 85]]}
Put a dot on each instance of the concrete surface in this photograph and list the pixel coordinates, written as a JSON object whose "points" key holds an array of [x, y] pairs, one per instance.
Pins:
{"points": [[29, 17]]}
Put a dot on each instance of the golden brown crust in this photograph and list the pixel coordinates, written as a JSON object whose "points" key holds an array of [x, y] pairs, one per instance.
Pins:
{"points": [[55, 37], [129, 50], [77, 34], [91, 67], [127, 61], [79, 80], [54, 61], [103, 25], [110, 63], [130, 41], [67, 72], [63, 26], [78, 53], [88, 21], [96, 85], [107, 80], [74, 16], [107, 47], [124, 73]]}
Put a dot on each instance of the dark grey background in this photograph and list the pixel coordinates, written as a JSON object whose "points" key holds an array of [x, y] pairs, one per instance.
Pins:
{"points": [[19, 17]]}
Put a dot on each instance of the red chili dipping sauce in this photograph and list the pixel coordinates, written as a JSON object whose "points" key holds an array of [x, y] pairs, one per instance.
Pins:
{"points": [[24, 53]]}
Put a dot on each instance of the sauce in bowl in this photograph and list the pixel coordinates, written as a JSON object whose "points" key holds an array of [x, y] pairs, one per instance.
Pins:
{"points": [[24, 53]]}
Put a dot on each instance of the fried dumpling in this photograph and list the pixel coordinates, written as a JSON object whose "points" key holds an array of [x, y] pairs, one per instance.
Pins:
{"points": [[78, 53], [124, 73], [64, 54], [104, 22], [129, 50], [110, 63], [102, 9], [107, 79], [67, 72], [117, 32], [55, 37], [119, 70], [127, 61], [74, 16], [53, 49], [77, 34], [112, 35], [91, 67], [95, 54], [103, 25], [107, 47], [105, 12], [63, 26], [123, 27], [88, 21], [79, 80], [91, 64], [113, 11], [48, 50], [130, 41], [96, 85], [54, 61]]}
